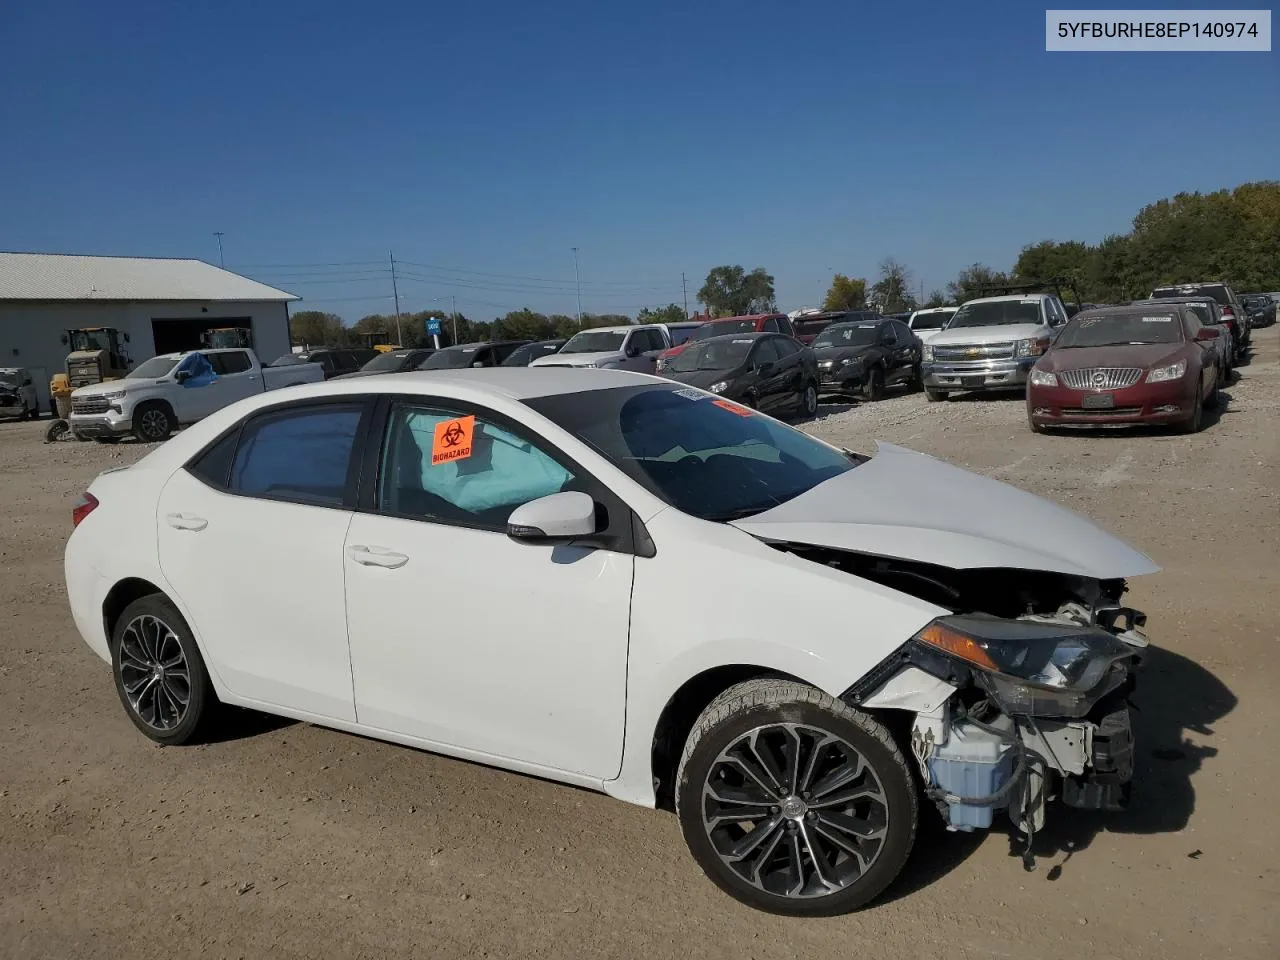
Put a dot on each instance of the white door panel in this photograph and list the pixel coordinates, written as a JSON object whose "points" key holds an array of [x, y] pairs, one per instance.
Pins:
{"points": [[467, 638], [263, 581]]}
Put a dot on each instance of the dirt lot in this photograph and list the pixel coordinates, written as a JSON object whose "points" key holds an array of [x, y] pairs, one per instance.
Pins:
{"points": [[293, 841]]}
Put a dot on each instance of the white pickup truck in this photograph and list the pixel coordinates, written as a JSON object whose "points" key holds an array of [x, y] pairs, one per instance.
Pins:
{"points": [[174, 389]]}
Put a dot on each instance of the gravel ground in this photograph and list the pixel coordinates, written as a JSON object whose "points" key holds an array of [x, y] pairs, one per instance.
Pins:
{"points": [[294, 841]]}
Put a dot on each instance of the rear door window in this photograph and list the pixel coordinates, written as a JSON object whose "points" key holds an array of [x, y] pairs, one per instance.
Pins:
{"points": [[233, 361], [301, 454]]}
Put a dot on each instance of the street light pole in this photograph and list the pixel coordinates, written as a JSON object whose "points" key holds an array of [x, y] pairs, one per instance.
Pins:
{"points": [[577, 280], [221, 263]]}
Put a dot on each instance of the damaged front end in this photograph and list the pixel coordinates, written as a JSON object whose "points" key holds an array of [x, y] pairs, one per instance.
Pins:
{"points": [[1019, 696]]}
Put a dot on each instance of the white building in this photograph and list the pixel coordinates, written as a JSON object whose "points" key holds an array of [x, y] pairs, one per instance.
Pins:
{"points": [[162, 304]]}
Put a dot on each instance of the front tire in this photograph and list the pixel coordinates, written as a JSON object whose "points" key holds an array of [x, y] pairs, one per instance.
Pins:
{"points": [[160, 676], [153, 423], [793, 802], [935, 396], [809, 400], [1193, 423], [875, 384]]}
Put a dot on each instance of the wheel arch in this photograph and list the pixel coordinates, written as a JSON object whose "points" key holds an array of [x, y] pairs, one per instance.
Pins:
{"points": [[120, 596], [681, 712]]}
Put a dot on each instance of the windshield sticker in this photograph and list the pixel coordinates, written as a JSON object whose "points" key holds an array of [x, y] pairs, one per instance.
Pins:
{"points": [[1031, 300], [743, 341], [733, 407], [1090, 321], [452, 440], [1157, 319], [690, 394]]}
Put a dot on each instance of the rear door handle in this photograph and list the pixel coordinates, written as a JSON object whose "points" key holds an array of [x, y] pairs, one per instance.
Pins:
{"points": [[376, 556], [185, 521]]}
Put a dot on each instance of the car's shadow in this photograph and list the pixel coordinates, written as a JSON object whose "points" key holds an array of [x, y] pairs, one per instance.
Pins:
{"points": [[239, 723], [1174, 696]]}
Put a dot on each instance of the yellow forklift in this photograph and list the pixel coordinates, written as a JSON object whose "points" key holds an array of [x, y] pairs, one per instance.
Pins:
{"points": [[223, 338], [95, 355]]}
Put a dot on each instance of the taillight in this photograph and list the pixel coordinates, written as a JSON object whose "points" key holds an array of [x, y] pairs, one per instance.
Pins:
{"points": [[1228, 311], [83, 507]]}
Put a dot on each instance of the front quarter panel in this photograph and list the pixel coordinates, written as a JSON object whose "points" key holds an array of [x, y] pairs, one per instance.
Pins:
{"points": [[715, 596]]}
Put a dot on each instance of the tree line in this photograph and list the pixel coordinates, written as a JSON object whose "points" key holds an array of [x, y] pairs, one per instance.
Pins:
{"points": [[1231, 235]]}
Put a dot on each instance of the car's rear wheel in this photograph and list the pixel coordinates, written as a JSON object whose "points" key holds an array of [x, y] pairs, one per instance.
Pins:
{"points": [[159, 673], [793, 802]]}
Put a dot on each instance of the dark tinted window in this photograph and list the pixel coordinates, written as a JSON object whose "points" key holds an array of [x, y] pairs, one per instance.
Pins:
{"points": [[523, 356], [932, 320], [395, 360], [303, 454], [680, 334], [655, 341], [235, 361], [786, 346], [708, 457], [718, 353], [453, 358], [504, 350], [766, 352], [848, 335], [720, 328], [1218, 291], [213, 466]]}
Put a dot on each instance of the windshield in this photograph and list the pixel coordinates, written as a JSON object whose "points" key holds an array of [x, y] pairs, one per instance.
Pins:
{"points": [[721, 353], [594, 341], [810, 328], [82, 340], [1149, 325], [453, 358], [1215, 290], [289, 359], [523, 356], [153, 369], [933, 320], [847, 335], [680, 334], [720, 328], [996, 313], [708, 457], [389, 362]]}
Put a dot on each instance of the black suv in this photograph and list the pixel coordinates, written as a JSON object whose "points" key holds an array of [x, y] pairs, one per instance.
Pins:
{"points": [[1232, 309], [1260, 308], [335, 361]]}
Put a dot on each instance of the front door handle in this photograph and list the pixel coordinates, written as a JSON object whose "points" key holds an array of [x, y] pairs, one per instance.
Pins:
{"points": [[376, 556], [185, 521]]}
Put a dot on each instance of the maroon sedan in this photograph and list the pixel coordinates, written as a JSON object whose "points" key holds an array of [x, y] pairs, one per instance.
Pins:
{"points": [[1139, 364]]}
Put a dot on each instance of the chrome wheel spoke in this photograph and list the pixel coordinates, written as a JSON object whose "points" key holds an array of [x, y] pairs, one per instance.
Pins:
{"points": [[154, 673], [794, 810]]}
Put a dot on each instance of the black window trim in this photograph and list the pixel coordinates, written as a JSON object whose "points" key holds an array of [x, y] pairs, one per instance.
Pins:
{"points": [[625, 532], [351, 489]]}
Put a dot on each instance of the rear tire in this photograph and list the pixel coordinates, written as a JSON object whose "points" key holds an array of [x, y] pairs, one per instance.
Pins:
{"points": [[160, 676], [153, 422], [846, 810], [934, 396], [809, 400]]}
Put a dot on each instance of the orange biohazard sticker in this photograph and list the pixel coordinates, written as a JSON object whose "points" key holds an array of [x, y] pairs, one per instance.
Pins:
{"points": [[452, 440], [732, 407]]}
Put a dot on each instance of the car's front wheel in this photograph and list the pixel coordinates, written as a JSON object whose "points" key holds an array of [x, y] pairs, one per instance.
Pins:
{"points": [[809, 400], [793, 802], [159, 673]]}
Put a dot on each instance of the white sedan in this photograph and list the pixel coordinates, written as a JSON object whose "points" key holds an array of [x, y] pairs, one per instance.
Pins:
{"points": [[627, 584]]}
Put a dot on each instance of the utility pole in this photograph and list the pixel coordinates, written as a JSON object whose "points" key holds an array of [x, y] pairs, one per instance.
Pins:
{"points": [[577, 279], [222, 263], [396, 294], [684, 288]]}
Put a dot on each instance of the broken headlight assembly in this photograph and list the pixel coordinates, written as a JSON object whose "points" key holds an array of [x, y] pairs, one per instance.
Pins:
{"points": [[1031, 668]]}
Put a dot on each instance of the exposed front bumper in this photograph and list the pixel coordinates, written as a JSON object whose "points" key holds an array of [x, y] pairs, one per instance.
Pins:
{"points": [[977, 374], [840, 382], [1171, 401], [110, 424]]}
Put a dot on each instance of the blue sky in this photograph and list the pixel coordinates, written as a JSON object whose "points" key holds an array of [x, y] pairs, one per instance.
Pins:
{"points": [[482, 141]]}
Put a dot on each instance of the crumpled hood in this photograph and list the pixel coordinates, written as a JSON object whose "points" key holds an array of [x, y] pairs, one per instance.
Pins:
{"points": [[826, 354], [577, 359], [996, 333], [911, 506]]}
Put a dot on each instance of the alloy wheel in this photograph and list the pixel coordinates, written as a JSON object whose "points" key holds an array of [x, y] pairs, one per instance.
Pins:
{"points": [[154, 672], [810, 400], [154, 423], [795, 810]]}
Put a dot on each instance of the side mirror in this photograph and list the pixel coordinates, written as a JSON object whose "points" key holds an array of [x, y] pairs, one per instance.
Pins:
{"points": [[1208, 333], [478, 363], [558, 518], [182, 376], [767, 369], [632, 351]]}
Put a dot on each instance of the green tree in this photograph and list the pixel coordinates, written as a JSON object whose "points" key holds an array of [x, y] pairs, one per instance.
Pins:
{"points": [[1047, 259], [316, 329], [730, 291], [523, 324], [846, 293], [671, 313], [972, 281], [892, 292], [936, 299]]}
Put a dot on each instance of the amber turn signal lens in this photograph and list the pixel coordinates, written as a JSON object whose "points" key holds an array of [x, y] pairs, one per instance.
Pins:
{"points": [[957, 644]]}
